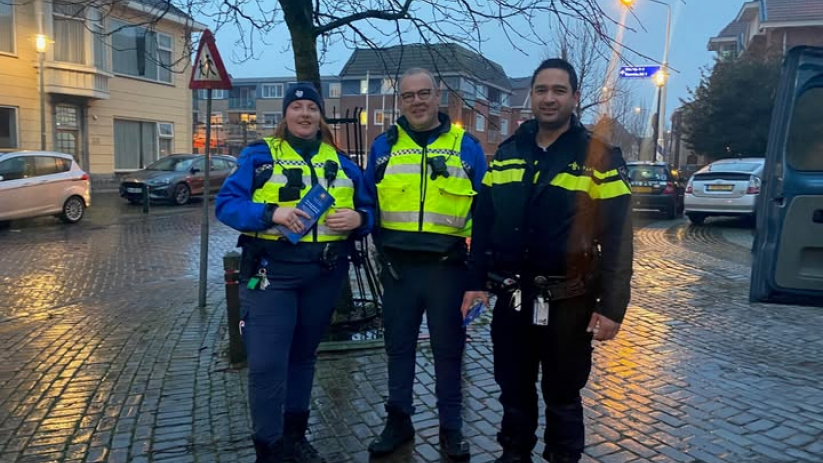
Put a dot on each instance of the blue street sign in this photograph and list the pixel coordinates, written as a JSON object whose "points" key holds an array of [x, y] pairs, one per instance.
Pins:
{"points": [[638, 71]]}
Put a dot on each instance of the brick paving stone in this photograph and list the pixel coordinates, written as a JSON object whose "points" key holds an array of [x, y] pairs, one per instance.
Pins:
{"points": [[104, 353]]}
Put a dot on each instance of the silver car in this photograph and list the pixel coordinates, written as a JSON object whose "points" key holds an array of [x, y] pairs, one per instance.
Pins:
{"points": [[38, 183], [728, 187]]}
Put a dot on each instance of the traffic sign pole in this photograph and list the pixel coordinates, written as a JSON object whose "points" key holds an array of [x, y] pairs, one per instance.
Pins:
{"points": [[208, 74]]}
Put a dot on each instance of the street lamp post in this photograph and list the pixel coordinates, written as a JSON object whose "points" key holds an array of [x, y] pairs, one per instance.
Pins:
{"points": [[41, 41], [663, 74]]}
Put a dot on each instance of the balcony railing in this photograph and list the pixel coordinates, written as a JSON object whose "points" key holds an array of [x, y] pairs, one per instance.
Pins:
{"points": [[242, 103], [76, 80], [494, 108]]}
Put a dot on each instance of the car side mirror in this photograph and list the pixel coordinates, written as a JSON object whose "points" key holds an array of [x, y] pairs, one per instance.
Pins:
{"points": [[1, 178], [194, 170]]}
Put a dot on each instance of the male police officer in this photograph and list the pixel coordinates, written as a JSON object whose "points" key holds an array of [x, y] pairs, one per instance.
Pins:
{"points": [[552, 223], [424, 172]]}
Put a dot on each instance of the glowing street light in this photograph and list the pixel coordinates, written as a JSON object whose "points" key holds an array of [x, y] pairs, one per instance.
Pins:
{"points": [[41, 42]]}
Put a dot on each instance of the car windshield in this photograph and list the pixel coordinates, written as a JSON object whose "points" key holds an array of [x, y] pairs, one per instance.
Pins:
{"points": [[647, 173], [735, 166], [172, 164]]}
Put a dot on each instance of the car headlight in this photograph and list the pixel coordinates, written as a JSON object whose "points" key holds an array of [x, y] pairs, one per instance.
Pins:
{"points": [[159, 182]]}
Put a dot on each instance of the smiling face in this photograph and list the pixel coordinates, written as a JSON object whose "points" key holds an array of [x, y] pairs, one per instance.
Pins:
{"points": [[553, 100], [303, 119], [419, 101]]}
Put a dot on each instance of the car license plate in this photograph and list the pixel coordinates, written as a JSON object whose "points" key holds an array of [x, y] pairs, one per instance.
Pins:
{"points": [[641, 189], [134, 190], [719, 187]]}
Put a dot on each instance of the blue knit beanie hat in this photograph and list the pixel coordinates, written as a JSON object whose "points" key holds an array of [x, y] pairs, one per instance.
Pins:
{"points": [[302, 91]]}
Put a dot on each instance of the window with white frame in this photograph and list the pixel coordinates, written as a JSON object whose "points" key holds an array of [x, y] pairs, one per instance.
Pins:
{"points": [[136, 144], [364, 86], [504, 127], [165, 133], [99, 38], [69, 32], [272, 90], [215, 94], [217, 118], [335, 89], [271, 119], [384, 116], [387, 86], [141, 52], [8, 127], [480, 123], [7, 44]]}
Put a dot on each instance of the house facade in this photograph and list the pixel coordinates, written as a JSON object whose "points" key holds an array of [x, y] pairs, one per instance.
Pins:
{"points": [[250, 110], [475, 92], [771, 26], [115, 81]]}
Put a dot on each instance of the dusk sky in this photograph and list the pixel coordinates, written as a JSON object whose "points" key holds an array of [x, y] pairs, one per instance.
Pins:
{"points": [[693, 23]]}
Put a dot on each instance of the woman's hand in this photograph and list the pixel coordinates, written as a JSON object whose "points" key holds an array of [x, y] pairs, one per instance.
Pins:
{"points": [[289, 217], [344, 220]]}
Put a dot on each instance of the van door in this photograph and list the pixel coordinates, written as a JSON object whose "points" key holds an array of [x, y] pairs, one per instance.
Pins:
{"points": [[787, 265]]}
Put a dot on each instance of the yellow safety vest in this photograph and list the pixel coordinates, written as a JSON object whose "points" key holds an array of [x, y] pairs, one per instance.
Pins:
{"points": [[408, 198], [285, 157]]}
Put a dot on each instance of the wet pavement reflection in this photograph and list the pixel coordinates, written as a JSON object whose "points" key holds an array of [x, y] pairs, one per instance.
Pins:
{"points": [[104, 356]]}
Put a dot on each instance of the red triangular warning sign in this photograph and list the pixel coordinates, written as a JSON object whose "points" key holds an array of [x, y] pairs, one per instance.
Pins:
{"points": [[208, 71]]}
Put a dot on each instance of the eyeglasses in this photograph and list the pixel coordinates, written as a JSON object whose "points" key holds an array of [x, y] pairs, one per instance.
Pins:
{"points": [[424, 95]]}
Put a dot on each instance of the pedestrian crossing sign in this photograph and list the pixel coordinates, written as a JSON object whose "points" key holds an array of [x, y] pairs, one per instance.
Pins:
{"points": [[208, 71]]}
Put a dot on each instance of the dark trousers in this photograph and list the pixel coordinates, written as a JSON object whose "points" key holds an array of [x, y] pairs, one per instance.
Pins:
{"points": [[563, 350], [283, 327], [436, 288]]}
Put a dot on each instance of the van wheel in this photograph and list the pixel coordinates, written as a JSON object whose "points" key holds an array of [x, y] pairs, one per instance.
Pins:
{"points": [[671, 212], [696, 219], [73, 210]]}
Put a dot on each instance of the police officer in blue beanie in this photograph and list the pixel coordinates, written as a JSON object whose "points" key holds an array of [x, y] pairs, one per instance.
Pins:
{"points": [[288, 290]]}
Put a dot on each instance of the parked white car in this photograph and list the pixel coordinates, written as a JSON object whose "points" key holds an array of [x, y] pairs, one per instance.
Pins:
{"points": [[38, 183], [728, 187]]}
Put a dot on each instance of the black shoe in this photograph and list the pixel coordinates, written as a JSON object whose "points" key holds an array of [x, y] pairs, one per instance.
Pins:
{"points": [[398, 431], [296, 447], [453, 444], [555, 457], [268, 452], [512, 456]]}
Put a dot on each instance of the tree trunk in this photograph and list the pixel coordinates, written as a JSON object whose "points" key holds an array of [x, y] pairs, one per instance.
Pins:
{"points": [[298, 16]]}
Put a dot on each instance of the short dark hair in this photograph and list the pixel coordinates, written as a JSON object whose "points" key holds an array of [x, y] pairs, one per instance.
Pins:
{"points": [[557, 63]]}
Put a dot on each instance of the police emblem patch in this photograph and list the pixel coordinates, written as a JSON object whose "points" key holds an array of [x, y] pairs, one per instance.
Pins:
{"points": [[298, 93]]}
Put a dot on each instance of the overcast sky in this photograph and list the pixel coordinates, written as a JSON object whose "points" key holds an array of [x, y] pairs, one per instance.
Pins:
{"points": [[693, 24]]}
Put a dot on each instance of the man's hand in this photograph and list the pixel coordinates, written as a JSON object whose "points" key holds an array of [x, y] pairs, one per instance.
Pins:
{"points": [[470, 298], [602, 327], [344, 220]]}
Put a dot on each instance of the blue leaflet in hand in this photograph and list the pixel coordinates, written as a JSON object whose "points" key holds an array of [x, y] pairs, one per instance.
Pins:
{"points": [[473, 313], [316, 202]]}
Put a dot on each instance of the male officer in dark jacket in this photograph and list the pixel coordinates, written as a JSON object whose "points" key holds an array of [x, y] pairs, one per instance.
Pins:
{"points": [[553, 221]]}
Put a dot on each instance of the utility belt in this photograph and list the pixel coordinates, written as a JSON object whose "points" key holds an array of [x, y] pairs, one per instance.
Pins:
{"points": [[538, 291], [259, 253]]}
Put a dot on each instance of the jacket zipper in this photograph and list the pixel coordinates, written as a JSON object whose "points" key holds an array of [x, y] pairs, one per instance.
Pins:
{"points": [[314, 182], [423, 182]]}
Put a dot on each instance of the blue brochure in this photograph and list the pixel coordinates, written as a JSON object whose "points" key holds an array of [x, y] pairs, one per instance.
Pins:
{"points": [[473, 313], [316, 202]]}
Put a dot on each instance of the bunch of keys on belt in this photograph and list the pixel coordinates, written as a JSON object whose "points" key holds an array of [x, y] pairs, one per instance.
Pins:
{"points": [[259, 281], [540, 315]]}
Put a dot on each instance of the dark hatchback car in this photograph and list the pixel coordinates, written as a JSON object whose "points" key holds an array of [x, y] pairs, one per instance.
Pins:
{"points": [[656, 186], [176, 178]]}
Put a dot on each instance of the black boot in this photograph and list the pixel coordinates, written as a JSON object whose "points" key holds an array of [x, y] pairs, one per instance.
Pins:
{"points": [[398, 431], [268, 452], [454, 445], [296, 447], [514, 451]]}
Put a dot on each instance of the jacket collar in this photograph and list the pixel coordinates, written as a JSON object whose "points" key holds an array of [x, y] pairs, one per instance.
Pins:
{"points": [[445, 124], [525, 136]]}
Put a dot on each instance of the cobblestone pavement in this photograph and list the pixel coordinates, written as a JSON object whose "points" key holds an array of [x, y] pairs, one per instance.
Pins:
{"points": [[104, 356]]}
